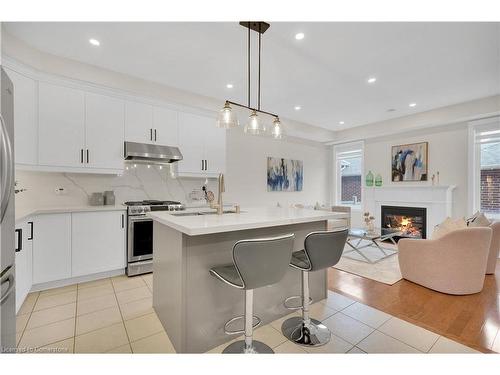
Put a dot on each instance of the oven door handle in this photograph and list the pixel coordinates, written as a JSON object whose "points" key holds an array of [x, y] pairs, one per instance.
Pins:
{"points": [[142, 218]]}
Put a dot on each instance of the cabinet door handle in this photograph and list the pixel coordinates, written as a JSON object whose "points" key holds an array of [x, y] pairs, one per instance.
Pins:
{"points": [[123, 221], [202, 164], [30, 223], [155, 135], [19, 233], [151, 134], [206, 164], [81, 156], [87, 156]]}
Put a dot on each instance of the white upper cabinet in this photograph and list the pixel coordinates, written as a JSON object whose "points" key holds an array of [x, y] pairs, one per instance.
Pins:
{"points": [[202, 145], [104, 129], [191, 144], [215, 149], [165, 129], [25, 118], [61, 121], [139, 122]]}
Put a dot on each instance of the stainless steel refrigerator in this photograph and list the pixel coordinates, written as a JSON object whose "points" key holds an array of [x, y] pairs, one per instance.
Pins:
{"points": [[7, 220]]}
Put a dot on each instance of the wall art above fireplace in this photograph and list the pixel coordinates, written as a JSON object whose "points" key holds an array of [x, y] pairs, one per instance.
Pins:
{"points": [[409, 162]]}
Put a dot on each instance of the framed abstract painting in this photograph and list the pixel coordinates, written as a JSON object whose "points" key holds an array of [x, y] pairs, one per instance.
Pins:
{"points": [[284, 174], [410, 162]]}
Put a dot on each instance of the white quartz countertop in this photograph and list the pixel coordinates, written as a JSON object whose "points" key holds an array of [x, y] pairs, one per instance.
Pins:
{"points": [[23, 214], [249, 218]]}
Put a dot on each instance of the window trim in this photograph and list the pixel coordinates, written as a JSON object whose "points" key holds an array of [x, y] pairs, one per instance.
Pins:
{"points": [[474, 160], [336, 191]]}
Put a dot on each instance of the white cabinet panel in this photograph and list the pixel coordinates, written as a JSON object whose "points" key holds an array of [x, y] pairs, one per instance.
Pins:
{"points": [[104, 129], [191, 143], [51, 247], [24, 263], [98, 242], [25, 118], [165, 129], [61, 117], [202, 144], [138, 122], [215, 150]]}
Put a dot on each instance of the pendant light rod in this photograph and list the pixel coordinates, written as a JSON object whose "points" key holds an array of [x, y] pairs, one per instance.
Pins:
{"points": [[250, 108], [248, 67], [258, 90]]}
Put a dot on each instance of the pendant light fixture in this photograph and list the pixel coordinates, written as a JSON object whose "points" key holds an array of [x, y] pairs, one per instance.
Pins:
{"points": [[255, 125]]}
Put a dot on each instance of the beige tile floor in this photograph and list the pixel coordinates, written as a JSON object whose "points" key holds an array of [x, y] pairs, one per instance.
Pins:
{"points": [[115, 315]]}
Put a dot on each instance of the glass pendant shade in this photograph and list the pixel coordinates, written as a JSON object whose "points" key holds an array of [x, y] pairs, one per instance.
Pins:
{"points": [[254, 125], [277, 130], [227, 118]]}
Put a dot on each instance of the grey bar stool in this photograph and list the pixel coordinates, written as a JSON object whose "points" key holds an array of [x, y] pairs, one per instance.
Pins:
{"points": [[256, 263], [322, 249]]}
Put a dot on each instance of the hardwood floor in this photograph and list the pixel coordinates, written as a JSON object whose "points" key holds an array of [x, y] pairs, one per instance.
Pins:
{"points": [[472, 320]]}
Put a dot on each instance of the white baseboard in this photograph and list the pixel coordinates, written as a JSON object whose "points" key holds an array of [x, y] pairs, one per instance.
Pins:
{"points": [[75, 280]]}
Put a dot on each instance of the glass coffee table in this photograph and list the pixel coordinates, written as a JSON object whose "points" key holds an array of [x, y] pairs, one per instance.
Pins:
{"points": [[357, 235]]}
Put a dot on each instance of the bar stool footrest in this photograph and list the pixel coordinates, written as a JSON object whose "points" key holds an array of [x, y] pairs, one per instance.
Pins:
{"points": [[285, 303], [228, 331]]}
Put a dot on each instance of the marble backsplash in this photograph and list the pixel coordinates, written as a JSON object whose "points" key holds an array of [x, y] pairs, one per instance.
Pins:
{"points": [[136, 183]]}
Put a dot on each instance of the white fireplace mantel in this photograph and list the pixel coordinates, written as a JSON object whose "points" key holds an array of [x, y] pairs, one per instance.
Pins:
{"points": [[438, 200]]}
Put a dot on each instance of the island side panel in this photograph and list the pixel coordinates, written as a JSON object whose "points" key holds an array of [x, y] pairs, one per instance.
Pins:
{"points": [[169, 272], [210, 303]]}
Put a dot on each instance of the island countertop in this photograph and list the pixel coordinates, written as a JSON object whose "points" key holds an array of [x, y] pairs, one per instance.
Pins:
{"points": [[248, 218]]}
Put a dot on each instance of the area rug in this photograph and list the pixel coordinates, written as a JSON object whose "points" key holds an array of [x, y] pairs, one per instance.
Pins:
{"points": [[385, 271]]}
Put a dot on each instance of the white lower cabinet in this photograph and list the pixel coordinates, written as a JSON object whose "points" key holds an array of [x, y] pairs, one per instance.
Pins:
{"points": [[97, 242], [69, 245], [24, 261], [51, 247]]}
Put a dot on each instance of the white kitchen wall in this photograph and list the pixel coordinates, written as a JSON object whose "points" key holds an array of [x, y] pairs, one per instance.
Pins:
{"points": [[246, 166]]}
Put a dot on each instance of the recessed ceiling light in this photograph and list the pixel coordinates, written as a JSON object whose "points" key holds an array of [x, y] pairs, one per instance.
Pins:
{"points": [[299, 36], [412, 105], [94, 42], [341, 122], [371, 80], [297, 107], [229, 85]]}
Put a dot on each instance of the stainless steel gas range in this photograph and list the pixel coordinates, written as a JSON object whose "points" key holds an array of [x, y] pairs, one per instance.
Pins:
{"points": [[140, 233]]}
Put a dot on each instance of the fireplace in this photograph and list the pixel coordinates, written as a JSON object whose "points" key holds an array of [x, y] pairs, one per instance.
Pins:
{"points": [[410, 221]]}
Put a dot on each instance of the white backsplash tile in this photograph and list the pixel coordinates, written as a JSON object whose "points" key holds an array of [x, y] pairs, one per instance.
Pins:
{"points": [[135, 184]]}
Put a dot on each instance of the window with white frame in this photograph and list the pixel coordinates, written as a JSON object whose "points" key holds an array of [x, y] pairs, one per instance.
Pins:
{"points": [[348, 176], [484, 165]]}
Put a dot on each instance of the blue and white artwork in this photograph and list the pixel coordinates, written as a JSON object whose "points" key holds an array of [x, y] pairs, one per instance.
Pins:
{"points": [[284, 174], [409, 162]]}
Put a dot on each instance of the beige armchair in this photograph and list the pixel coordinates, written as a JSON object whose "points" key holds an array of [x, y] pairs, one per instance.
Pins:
{"points": [[494, 248], [453, 264]]}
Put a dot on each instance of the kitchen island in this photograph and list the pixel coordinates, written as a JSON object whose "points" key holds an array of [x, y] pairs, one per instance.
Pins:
{"points": [[192, 305]]}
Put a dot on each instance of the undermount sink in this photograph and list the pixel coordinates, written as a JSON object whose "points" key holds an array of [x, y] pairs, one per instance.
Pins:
{"points": [[202, 213]]}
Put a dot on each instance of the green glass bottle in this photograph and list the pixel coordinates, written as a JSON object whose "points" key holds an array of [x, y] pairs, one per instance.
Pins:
{"points": [[378, 180], [369, 179]]}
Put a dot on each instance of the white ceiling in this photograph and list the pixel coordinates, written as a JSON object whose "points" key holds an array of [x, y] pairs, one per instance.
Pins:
{"points": [[432, 64]]}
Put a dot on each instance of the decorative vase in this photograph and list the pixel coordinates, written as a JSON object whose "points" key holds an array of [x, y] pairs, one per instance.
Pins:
{"points": [[378, 180], [369, 179]]}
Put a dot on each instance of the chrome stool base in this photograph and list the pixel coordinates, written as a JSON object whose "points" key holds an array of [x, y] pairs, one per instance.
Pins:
{"points": [[316, 334], [257, 347]]}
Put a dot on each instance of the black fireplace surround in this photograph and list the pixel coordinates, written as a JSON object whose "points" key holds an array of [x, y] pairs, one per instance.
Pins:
{"points": [[391, 217]]}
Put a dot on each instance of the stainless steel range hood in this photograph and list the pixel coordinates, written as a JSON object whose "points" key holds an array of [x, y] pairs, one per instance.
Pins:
{"points": [[153, 154]]}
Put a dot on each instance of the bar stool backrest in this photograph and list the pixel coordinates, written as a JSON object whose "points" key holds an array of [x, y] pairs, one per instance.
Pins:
{"points": [[325, 248], [264, 261]]}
